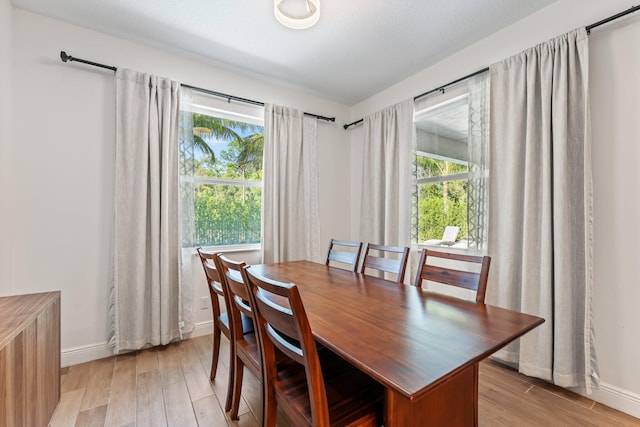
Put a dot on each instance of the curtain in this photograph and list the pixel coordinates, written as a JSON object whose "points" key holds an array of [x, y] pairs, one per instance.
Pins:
{"points": [[477, 203], [147, 241], [189, 257], [388, 178], [540, 231], [290, 211]]}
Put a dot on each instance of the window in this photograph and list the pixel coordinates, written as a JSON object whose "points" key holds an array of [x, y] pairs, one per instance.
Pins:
{"points": [[451, 164], [221, 177]]}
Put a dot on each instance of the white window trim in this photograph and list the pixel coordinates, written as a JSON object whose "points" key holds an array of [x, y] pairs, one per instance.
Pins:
{"points": [[234, 248], [443, 158], [453, 177], [224, 113], [221, 181]]}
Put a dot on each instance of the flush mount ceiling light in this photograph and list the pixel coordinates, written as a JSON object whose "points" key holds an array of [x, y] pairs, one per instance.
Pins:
{"points": [[298, 22]]}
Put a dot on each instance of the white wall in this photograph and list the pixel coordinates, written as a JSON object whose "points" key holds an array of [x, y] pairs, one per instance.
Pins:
{"points": [[62, 160], [6, 26], [615, 110], [615, 98]]}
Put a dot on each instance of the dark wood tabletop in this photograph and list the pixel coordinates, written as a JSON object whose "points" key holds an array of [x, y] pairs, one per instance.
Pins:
{"points": [[406, 338]]}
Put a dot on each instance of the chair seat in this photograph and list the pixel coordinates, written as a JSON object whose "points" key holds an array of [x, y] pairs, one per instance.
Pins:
{"points": [[353, 398], [247, 323], [249, 347], [217, 288]]}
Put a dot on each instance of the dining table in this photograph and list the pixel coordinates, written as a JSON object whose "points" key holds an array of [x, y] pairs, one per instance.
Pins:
{"points": [[423, 347]]}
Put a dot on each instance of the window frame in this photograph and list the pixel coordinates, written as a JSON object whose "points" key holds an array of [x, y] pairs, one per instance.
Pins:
{"points": [[428, 107], [251, 114]]}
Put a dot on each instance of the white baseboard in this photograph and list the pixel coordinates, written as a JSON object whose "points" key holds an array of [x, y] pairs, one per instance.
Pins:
{"points": [[617, 398], [77, 355], [200, 329]]}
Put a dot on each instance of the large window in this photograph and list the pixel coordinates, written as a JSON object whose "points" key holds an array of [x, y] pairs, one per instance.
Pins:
{"points": [[451, 164], [442, 171], [221, 173]]}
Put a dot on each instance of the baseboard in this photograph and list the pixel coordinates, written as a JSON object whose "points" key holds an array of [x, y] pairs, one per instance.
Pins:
{"points": [[77, 355], [617, 398], [203, 328]]}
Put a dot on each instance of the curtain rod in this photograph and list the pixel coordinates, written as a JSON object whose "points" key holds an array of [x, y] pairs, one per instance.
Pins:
{"points": [[443, 87], [64, 57], [429, 92], [612, 18], [438, 89]]}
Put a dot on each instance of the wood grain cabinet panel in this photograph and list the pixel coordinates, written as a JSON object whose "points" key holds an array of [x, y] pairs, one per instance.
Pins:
{"points": [[29, 358]]}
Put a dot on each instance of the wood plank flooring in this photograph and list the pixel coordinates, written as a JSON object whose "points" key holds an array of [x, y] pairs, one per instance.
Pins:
{"points": [[169, 386]]}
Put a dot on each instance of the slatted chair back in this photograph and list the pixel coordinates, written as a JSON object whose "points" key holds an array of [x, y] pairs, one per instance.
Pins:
{"points": [[245, 349], [283, 324], [338, 252], [461, 278], [211, 273], [220, 319], [230, 270], [353, 398], [395, 264]]}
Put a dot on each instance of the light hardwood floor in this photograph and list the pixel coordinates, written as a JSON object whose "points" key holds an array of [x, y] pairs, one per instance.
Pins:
{"points": [[170, 386]]}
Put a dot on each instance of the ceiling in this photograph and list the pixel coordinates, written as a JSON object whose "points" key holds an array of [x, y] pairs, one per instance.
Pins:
{"points": [[358, 48]]}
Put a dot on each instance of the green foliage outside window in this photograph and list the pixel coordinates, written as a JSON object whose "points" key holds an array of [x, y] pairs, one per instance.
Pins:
{"points": [[226, 213], [443, 202]]}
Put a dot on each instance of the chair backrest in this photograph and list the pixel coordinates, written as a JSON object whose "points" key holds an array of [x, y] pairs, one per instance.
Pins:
{"points": [[396, 265], [236, 292], [349, 257], [212, 276], [283, 324], [462, 278]]}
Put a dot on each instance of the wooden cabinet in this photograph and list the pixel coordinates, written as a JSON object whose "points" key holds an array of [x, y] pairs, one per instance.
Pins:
{"points": [[29, 358]]}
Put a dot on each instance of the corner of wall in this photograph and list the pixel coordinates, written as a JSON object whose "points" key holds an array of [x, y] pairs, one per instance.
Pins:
{"points": [[6, 47]]}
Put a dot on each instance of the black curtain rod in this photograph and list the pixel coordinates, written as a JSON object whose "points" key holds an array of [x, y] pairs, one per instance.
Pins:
{"points": [[438, 89], [612, 18], [64, 57], [443, 87]]}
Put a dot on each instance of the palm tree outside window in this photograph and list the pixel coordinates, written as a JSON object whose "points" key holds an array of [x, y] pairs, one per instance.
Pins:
{"points": [[221, 177]]}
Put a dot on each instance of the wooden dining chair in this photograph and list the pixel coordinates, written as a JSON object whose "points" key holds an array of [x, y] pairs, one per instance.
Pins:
{"points": [[311, 388], [395, 265], [341, 255], [220, 319], [461, 278], [244, 346]]}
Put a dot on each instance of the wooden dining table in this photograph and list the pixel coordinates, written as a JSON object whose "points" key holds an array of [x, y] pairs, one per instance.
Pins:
{"points": [[424, 348]]}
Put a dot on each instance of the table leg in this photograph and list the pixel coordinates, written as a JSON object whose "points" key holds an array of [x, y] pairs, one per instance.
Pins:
{"points": [[453, 402]]}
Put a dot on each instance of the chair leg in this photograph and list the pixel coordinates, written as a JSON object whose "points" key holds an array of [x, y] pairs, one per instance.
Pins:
{"points": [[232, 363], [216, 352], [237, 388], [269, 406]]}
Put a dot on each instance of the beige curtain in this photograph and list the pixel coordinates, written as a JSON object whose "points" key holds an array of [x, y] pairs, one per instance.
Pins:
{"points": [[290, 211], [147, 244], [388, 176], [540, 231], [478, 154]]}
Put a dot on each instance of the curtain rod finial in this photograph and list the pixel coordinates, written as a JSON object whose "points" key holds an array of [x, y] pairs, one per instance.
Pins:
{"points": [[64, 57]]}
